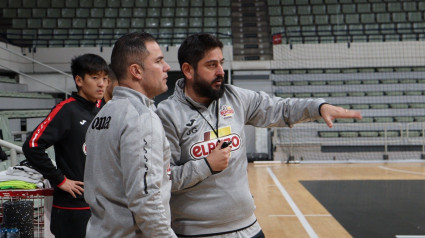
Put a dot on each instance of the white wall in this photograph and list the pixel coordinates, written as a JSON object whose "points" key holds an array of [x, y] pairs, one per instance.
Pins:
{"points": [[58, 81], [9, 61]]}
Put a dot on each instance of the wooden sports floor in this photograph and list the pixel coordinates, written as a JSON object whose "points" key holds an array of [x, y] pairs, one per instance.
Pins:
{"points": [[286, 209]]}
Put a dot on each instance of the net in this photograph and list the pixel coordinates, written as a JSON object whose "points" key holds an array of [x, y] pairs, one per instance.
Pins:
{"points": [[385, 81]]}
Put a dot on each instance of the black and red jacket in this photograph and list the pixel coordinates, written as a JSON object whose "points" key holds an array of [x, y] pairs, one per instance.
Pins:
{"points": [[65, 128]]}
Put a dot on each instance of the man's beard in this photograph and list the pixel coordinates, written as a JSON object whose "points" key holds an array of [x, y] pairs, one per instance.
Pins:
{"points": [[204, 89]]}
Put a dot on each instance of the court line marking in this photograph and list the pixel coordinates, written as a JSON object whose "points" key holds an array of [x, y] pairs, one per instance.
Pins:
{"points": [[266, 165], [409, 236], [306, 215], [267, 162], [292, 204], [401, 170]]}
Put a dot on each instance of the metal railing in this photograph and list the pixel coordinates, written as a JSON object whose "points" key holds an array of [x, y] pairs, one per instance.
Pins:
{"points": [[14, 150], [39, 63]]}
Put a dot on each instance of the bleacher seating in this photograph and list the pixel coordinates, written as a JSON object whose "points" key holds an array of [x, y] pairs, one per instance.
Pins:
{"points": [[48, 23], [390, 100], [5, 79], [25, 95], [346, 21]]}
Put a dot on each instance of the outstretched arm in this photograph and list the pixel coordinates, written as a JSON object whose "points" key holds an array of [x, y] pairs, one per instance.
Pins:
{"points": [[330, 112]]}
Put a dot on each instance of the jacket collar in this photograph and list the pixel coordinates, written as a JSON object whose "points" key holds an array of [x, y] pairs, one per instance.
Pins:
{"points": [[83, 101], [179, 93], [126, 92]]}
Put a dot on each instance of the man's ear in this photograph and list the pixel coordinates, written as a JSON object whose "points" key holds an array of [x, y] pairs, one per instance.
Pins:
{"points": [[79, 81], [136, 71], [188, 70]]}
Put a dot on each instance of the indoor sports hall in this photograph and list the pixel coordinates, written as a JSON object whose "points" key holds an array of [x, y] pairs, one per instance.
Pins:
{"points": [[361, 178]]}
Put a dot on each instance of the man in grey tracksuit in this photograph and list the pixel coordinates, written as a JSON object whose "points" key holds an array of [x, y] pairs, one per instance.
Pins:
{"points": [[210, 190], [127, 174]]}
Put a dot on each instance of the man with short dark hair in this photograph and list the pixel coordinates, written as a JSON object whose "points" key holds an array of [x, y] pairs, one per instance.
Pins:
{"points": [[127, 177], [112, 82], [204, 122], [65, 128]]}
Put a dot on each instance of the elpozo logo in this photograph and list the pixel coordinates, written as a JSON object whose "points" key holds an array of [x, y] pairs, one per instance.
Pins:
{"points": [[204, 148]]}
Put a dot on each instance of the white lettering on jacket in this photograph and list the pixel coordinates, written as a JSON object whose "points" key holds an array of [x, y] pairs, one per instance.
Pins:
{"points": [[203, 149]]}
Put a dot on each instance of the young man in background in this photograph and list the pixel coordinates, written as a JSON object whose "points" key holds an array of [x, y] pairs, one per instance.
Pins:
{"points": [[65, 128], [112, 82]]}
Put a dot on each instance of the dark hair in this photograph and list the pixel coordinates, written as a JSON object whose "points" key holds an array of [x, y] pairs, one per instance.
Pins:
{"points": [[194, 47], [129, 49], [88, 64], [111, 74]]}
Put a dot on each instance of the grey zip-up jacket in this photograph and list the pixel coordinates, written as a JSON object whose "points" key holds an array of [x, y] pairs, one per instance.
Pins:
{"points": [[127, 175], [202, 202]]}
